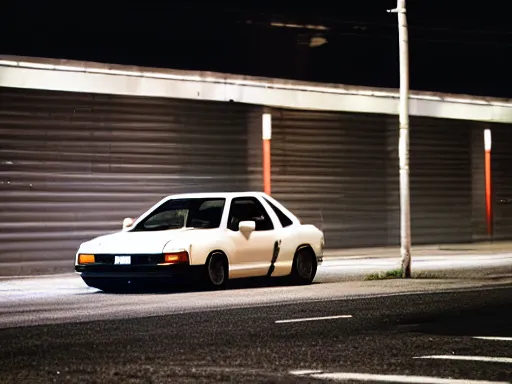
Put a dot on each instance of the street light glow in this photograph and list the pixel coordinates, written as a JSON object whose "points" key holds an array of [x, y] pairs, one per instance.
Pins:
{"points": [[267, 126], [487, 140]]}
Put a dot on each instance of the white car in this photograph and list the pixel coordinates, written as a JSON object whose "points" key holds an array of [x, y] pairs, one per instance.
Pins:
{"points": [[214, 236]]}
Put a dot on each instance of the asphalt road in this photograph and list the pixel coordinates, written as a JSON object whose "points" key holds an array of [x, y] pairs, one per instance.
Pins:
{"points": [[55, 329], [262, 334]]}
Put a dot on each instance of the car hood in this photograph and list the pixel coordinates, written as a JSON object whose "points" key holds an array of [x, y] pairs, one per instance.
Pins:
{"points": [[137, 242]]}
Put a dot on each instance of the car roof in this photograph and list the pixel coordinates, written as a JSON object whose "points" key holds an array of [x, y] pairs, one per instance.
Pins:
{"points": [[214, 194]]}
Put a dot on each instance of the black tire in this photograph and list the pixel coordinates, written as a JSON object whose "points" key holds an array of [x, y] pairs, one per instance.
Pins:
{"points": [[216, 271], [304, 267]]}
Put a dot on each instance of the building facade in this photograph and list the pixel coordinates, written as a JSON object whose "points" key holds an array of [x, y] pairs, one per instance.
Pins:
{"points": [[83, 145]]}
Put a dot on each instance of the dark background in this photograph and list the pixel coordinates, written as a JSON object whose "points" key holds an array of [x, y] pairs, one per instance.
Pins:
{"points": [[455, 46]]}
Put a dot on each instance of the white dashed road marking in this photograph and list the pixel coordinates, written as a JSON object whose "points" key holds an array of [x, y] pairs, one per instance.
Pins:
{"points": [[344, 376], [313, 319], [304, 372], [487, 359], [494, 338]]}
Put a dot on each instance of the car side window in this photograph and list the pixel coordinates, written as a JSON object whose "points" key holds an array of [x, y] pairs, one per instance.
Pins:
{"points": [[248, 209], [283, 219], [207, 215]]}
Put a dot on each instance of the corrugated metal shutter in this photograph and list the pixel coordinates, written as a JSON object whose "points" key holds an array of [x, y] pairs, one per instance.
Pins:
{"points": [[502, 180], [441, 188], [72, 166], [478, 222], [330, 169], [392, 173], [254, 149], [341, 171]]}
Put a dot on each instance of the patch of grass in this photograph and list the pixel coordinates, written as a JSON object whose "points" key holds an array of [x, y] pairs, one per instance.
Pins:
{"points": [[397, 274], [393, 274]]}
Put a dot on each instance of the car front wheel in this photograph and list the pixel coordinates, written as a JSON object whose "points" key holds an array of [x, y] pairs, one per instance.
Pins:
{"points": [[217, 271]]}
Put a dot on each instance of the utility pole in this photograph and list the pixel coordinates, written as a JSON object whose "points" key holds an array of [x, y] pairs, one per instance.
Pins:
{"points": [[403, 143]]}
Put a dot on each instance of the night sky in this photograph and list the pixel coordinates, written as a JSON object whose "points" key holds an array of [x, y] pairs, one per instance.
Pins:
{"points": [[455, 46]]}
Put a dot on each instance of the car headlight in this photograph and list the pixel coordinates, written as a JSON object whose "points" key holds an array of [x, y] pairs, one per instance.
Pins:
{"points": [[84, 258], [176, 257]]}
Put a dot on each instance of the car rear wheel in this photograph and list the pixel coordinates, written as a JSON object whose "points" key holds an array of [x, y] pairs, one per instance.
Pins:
{"points": [[304, 267], [217, 271]]}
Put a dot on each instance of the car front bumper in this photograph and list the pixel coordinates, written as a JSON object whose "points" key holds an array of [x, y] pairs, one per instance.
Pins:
{"points": [[105, 273], [164, 271]]}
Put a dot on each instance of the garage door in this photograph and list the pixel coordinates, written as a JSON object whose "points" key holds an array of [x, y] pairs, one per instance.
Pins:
{"points": [[440, 181], [502, 180], [330, 169], [340, 172], [72, 165]]}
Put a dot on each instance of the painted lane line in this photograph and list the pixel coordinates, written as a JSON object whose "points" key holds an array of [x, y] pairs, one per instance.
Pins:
{"points": [[302, 372], [497, 338], [488, 359], [313, 319], [344, 376]]}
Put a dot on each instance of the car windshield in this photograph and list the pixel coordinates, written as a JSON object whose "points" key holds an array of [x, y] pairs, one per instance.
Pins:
{"points": [[180, 213]]}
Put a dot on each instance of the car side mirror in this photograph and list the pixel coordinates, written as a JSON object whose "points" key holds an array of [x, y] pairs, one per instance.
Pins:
{"points": [[128, 222], [247, 227]]}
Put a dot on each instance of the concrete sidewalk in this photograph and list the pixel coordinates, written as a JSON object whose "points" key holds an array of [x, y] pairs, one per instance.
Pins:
{"points": [[483, 248]]}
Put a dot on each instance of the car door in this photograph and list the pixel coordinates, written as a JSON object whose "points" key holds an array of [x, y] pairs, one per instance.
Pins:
{"points": [[252, 253]]}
